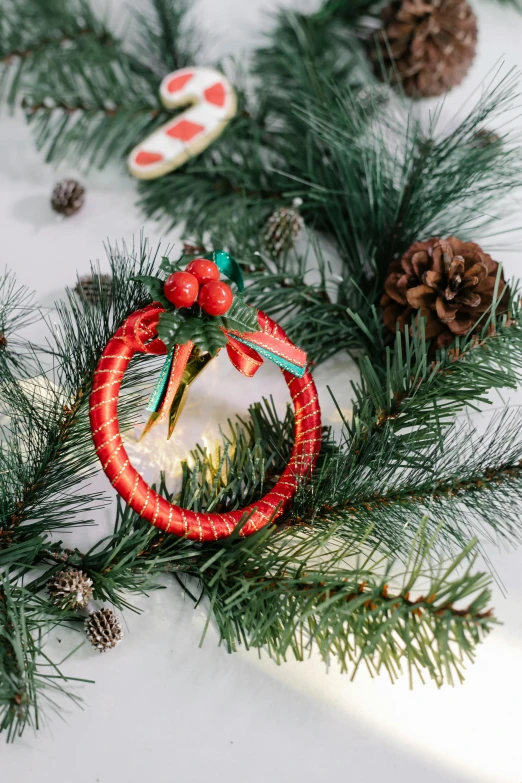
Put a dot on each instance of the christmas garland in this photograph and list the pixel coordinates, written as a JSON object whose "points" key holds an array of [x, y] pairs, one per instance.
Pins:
{"points": [[424, 311]]}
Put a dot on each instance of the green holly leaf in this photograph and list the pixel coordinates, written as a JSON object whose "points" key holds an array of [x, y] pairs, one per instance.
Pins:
{"points": [[168, 267], [203, 332], [208, 336], [241, 317], [168, 327], [154, 288]]}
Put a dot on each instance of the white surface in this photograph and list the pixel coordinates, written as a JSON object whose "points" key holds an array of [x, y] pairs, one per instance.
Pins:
{"points": [[164, 710]]}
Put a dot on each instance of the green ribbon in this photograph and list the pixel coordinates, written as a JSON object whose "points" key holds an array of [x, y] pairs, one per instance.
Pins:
{"points": [[229, 266], [161, 384]]}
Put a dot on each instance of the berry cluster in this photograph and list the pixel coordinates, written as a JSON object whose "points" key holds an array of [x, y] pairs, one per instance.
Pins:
{"points": [[199, 281]]}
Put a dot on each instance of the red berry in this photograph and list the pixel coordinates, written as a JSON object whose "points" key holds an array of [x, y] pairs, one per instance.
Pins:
{"points": [[181, 289], [215, 298], [203, 270]]}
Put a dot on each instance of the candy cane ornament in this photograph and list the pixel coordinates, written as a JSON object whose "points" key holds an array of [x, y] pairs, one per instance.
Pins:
{"points": [[213, 104]]}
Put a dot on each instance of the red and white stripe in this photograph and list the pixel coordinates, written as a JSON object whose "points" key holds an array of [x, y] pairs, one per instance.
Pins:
{"points": [[213, 104]]}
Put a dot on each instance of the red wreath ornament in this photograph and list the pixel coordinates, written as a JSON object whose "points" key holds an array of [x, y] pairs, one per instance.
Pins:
{"points": [[139, 334]]}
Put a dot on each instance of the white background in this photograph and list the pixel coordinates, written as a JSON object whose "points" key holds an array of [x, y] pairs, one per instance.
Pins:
{"points": [[163, 709]]}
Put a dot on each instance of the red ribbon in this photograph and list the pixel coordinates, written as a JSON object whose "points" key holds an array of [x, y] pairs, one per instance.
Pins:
{"points": [[244, 358]]}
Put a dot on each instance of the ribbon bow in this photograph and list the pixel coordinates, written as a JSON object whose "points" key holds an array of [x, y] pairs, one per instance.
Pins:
{"points": [[246, 351]]}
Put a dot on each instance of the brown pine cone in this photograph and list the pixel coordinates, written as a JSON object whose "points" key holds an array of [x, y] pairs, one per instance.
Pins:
{"points": [[94, 288], [448, 282], [70, 589], [282, 229], [103, 629], [426, 45], [67, 197]]}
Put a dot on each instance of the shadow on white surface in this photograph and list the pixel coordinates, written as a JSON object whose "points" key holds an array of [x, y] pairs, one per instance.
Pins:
{"points": [[34, 211], [178, 713]]}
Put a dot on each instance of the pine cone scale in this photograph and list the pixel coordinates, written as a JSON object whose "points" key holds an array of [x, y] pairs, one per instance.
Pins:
{"points": [[394, 287], [420, 263], [421, 297], [446, 311]]}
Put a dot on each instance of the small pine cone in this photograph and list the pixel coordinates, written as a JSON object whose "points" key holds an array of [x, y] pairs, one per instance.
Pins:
{"points": [[94, 288], [68, 197], [70, 589], [282, 229], [448, 282], [190, 249], [484, 138], [3, 341], [103, 629], [426, 45]]}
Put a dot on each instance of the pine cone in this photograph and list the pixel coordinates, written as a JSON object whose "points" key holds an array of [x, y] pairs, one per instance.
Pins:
{"points": [[484, 138], [190, 249], [70, 589], [103, 629], [448, 282], [426, 45], [94, 288], [282, 229], [3, 341], [68, 197]]}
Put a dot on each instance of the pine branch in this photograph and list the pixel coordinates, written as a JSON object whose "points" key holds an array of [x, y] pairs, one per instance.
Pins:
{"points": [[88, 96], [167, 40], [398, 183], [263, 596], [92, 106], [412, 391], [348, 613], [46, 452], [467, 485], [29, 681], [17, 311], [36, 33]]}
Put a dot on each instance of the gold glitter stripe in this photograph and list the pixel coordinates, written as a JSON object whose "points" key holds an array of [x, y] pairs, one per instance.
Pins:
{"points": [[169, 523], [105, 424], [310, 402], [106, 385], [146, 501], [199, 526], [229, 529], [112, 456], [299, 418], [135, 487], [212, 525], [113, 482], [279, 495], [185, 523], [105, 402], [106, 442], [301, 391], [156, 512]]}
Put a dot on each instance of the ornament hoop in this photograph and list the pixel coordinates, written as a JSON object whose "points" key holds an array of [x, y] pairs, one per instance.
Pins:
{"points": [[138, 334]]}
